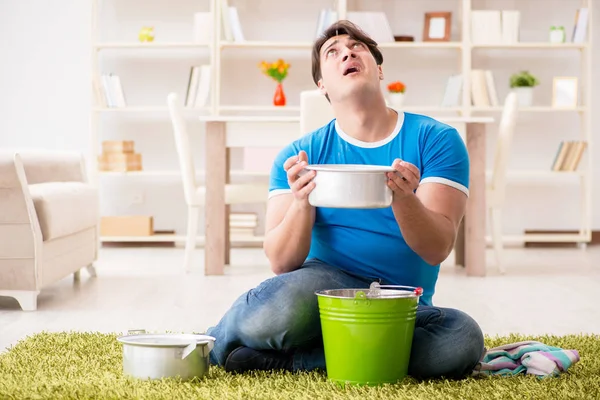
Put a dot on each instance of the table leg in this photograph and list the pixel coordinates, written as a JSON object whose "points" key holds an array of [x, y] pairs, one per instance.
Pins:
{"points": [[227, 210], [459, 245], [216, 177], [476, 212]]}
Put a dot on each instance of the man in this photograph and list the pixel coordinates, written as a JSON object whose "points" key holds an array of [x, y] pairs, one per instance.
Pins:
{"points": [[276, 325]]}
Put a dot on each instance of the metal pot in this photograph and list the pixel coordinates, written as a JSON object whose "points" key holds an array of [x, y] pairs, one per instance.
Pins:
{"points": [[156, 356], [350, 186]]}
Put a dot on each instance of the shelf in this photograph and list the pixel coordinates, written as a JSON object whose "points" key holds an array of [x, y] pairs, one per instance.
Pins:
{"points": [[267, 45], [152, 45], [541, 176], [423, 45], [175, 173], [530, 109], [140, 109], [247, 115], [425, 109], [514, 175], [261, 108], [545, 238], [530, 45], [165, 238], [309, 45]]}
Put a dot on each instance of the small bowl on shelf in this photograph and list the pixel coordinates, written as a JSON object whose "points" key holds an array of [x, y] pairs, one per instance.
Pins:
{"points": [[404, 38]]}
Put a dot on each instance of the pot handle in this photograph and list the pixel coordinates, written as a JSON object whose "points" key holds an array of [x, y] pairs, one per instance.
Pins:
{"points": [[417, 290], [210, 344], [188, 350]]}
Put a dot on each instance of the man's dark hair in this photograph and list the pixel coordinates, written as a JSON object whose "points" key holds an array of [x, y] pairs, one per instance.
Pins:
{"points": [[342, 27]]}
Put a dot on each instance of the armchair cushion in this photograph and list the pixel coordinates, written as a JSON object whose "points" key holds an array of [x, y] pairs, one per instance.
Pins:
{"points": [[64, 208]]}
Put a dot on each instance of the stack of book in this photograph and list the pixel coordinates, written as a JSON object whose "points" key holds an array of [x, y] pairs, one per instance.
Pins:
{"points": [[495, 26], [242, 224], [119, 156]]}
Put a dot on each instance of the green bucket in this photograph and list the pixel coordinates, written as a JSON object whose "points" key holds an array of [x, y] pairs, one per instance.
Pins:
{"points": [[368, 333]]}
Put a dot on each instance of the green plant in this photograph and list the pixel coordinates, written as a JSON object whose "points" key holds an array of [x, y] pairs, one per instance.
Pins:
{"points": [[523, 79]]}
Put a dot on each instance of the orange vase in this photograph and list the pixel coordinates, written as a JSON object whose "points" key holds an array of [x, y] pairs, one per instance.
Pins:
{"points": [[279, 98]]}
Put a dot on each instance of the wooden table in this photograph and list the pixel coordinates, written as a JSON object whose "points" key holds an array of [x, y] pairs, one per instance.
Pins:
{"points": [[225, 132]]}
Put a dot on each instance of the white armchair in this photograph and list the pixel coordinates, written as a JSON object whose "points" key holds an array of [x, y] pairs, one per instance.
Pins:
{"points": [[315, 110], [48, 222], [496, 188]]}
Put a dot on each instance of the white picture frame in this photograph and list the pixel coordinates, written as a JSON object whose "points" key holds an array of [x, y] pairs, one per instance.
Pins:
{"points": [[564, 92]]}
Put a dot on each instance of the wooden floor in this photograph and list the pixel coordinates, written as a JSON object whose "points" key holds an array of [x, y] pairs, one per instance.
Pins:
{"points": [[544, 291]]}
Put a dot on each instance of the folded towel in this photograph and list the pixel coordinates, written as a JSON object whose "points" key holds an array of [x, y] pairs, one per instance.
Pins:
{"points": [[529, 357]]}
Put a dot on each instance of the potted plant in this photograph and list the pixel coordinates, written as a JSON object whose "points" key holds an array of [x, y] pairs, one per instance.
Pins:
{"points": [[396, 93], [277, 70], [523, 83]]}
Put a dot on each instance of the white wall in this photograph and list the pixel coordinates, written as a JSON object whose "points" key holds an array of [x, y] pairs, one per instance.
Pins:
{"points": [[46, 92]]}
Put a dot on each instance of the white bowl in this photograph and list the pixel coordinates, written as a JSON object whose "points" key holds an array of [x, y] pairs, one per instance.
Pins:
{"points": [[350, 186]]}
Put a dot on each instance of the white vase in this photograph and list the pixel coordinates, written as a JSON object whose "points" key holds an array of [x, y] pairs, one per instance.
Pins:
{"points": [[557, 35], [396, 99], [524, 95]]}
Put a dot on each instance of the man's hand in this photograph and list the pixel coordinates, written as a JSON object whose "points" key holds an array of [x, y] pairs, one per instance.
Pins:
{"points": [[301, 185], [405, 181]]}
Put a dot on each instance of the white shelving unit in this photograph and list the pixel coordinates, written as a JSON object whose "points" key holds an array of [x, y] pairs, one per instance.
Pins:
{"points": [[466, 51]]}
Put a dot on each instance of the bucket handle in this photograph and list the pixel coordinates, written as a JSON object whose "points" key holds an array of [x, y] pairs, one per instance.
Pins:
{"points": [[417, 290]]}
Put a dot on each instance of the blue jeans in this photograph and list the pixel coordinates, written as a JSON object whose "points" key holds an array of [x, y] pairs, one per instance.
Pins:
{"points": [[282, 313]]}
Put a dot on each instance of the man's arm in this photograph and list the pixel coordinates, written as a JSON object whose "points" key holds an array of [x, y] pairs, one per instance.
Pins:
{"points": [[290, 217], [288, 227], [429, 220]]}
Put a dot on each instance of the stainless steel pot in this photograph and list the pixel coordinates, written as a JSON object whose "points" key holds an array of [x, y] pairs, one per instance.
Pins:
{"points": [[350, 186], [155, 356]]}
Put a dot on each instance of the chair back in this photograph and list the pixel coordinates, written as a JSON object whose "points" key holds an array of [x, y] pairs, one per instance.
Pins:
{"points": [[503, 145], [315, 111], [184, 150]]}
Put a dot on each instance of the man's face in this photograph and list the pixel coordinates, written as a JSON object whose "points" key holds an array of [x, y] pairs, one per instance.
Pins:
{"points": [[347, 68]]}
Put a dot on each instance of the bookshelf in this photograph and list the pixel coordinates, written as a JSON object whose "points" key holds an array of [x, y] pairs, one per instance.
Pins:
{"points": [[222, 50]]}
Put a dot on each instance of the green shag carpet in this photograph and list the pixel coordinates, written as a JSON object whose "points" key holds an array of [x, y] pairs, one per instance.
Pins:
{"points": [[89, 365]]}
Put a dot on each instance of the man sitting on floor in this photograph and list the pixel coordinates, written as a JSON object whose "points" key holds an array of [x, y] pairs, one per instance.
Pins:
{"points": [[276, 325]]}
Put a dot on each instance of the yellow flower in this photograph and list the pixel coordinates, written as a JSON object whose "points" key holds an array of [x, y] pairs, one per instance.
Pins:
{"points": [[276, 69]]}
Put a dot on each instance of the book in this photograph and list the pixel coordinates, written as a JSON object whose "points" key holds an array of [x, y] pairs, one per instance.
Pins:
{"points": [[510, 26], [479, 92], [568, 155], [580, 27], [453, 91], [198, 88]]}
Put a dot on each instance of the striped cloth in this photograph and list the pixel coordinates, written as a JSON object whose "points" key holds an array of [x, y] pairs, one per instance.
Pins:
{"points": [[528, 357]]}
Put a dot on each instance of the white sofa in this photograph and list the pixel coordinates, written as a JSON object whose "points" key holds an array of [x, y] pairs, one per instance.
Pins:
{"points": [[49, 215]]}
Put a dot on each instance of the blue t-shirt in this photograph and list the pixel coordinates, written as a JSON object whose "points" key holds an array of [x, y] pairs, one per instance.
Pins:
{"points": [[368, 242]]}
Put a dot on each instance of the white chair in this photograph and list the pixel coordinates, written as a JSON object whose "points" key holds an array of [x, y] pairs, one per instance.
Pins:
{"points": [[315, 110], [496, 188], [195, 194]]}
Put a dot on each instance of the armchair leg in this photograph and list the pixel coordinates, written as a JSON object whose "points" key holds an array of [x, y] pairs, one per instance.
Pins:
{"points": [[496, 217], [192, 232], [91, 270], [27, 298]]}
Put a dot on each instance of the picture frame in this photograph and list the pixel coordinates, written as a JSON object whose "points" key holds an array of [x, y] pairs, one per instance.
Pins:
{"points": [[564, 92], [437, 26]]}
